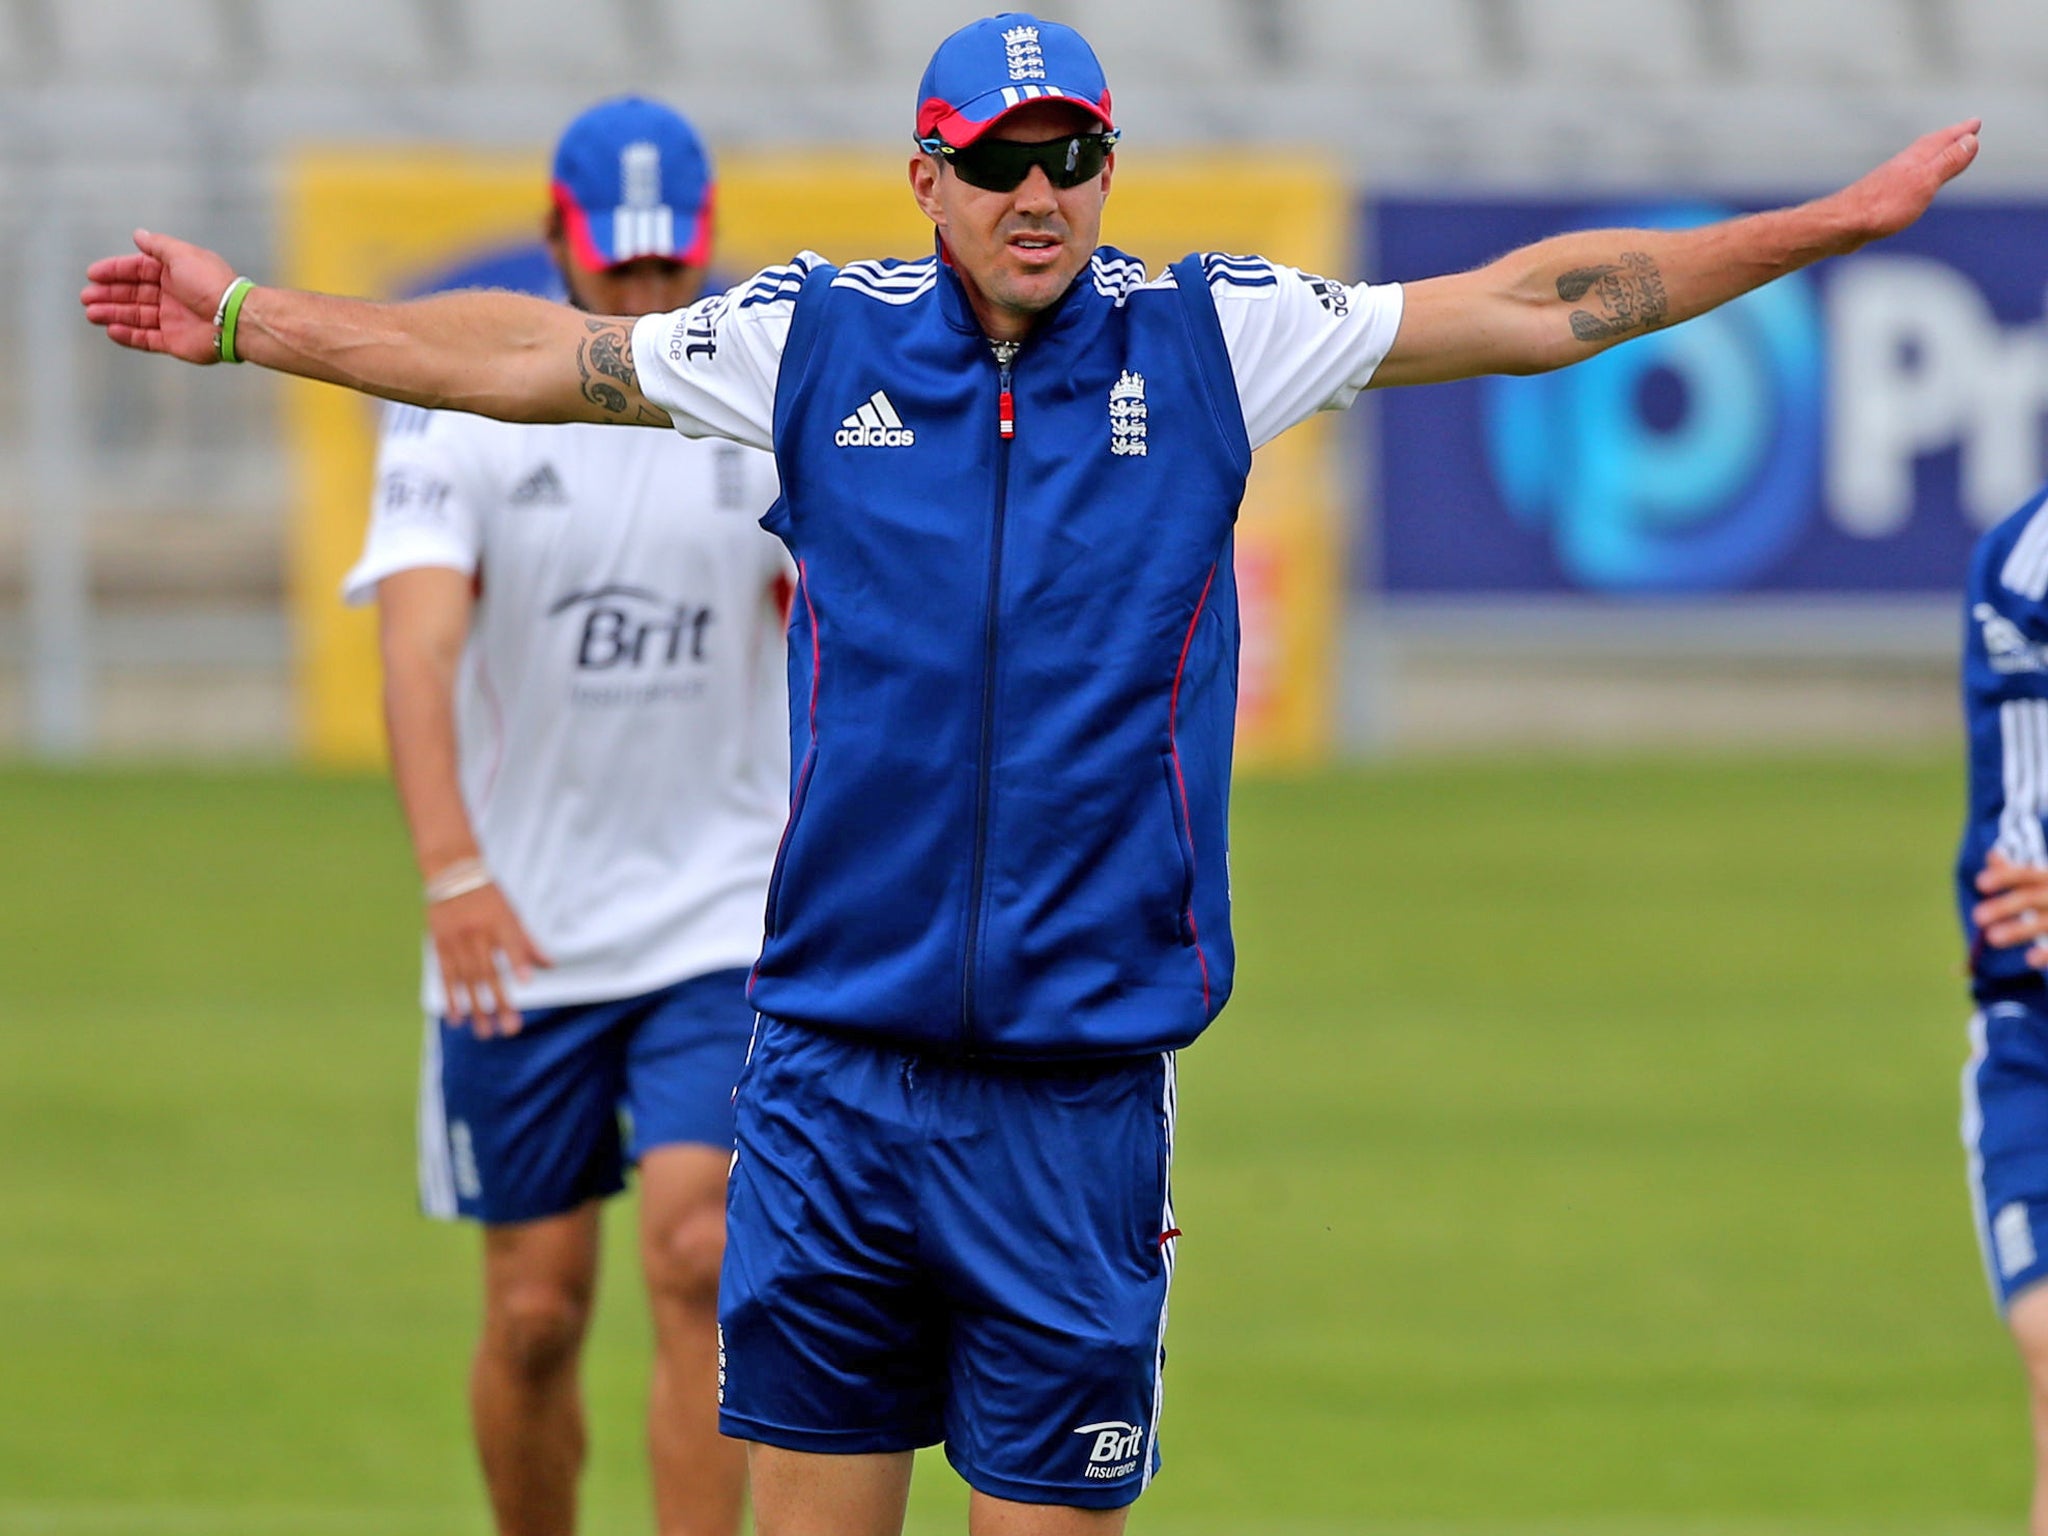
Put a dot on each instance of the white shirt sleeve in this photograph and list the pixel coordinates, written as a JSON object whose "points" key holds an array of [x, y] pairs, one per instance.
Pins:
{"points": [[712, 366], [776, 565], [427, 508], [1298, 343]]}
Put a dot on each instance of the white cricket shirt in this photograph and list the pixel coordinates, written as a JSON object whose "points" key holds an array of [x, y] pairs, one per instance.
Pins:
{"points": [[1298, 343], [621, 714]]}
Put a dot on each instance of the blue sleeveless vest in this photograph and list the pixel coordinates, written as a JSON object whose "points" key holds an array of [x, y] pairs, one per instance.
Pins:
{"points": [[1013, 666]]}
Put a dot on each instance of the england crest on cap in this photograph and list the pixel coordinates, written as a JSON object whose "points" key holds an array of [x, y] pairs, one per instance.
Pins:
{"points": [[991, 67], [632, 179]]}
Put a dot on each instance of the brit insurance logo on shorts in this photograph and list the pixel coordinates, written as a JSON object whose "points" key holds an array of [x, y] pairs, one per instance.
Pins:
{"points": [[634, 645], [1114, 1448]]}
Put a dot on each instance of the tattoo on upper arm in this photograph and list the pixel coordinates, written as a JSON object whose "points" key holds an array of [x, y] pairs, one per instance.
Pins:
{"points": [[1629, 297], [605, 359]]}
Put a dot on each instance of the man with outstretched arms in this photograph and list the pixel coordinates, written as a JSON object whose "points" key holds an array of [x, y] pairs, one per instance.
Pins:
{"points": [[2002, 894], [583, 679], [1009, 475]]}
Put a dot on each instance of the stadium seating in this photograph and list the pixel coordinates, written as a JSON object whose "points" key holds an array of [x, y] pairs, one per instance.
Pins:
{"points": [[144, 41], [901, 34], [2002, 39], [717, 41], [1342, 40], [17, 56], [546, 40], [1828, 40], [316, 38], [1174, 42], [1572, 44]]}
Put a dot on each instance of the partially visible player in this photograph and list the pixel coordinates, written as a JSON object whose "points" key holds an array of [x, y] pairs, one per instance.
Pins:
{"points": [[2002, 888], [582, 638]]}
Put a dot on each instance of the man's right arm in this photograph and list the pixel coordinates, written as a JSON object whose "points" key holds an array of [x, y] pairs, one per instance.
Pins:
{"points": [[493, 354], [423, 624]]}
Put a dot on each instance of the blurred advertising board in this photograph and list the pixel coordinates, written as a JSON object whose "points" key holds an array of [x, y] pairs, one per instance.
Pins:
{"points": [[387, 224], [1849, 429]]}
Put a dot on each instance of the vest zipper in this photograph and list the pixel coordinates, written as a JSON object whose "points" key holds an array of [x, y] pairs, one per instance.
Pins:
{"points": [[1006, 432]]}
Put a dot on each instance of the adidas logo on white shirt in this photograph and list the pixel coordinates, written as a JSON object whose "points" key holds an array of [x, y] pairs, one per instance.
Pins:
{"points": [[541, 488], [875, 425]]}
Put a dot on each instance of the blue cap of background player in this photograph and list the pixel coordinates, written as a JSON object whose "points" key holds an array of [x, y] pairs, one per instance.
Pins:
{"points": [[632, 179], [991, 67]]}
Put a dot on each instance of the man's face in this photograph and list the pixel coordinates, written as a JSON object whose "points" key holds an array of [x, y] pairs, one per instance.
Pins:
{"points": [[1016, 251], [647, 285]]}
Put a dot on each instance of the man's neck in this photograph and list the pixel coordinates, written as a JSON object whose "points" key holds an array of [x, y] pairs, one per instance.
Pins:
{"points": [[998, 323]]}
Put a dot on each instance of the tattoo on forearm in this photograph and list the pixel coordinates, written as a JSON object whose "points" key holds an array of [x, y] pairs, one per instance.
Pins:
{"points": [[605, 359], [1573, 285], [1629, 297]]}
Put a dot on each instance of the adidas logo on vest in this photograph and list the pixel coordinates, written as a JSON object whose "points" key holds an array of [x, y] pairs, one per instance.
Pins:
{"points": [[875, 425]]}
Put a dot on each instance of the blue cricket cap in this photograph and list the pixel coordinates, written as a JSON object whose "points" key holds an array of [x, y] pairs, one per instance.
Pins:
{"points": [[632, 179], [991, 67]]}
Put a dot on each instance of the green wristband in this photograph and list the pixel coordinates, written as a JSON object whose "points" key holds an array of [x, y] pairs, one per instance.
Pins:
{"points": [[230, 312]]}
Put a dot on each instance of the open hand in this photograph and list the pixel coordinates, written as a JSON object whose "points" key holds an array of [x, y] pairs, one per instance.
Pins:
{"points": [[477, 937], [162, 299], [1898, 192], [2015, 908]]}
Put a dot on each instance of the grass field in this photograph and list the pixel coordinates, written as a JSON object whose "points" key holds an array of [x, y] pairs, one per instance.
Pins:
{"points": [[1578, 1157]]}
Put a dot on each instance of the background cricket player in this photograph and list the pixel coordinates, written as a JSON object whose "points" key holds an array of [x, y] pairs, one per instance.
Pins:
{"points": [[2002, 892], [583, 682], [1003, 902]]}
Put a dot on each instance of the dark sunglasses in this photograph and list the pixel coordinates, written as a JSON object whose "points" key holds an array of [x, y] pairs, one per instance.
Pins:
{"points": [[1000, 165]]}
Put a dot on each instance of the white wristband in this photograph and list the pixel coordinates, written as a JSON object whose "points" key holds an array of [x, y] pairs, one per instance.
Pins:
{"points": [[458, 879]]}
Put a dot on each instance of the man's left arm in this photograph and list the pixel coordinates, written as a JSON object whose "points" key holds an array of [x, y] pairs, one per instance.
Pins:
{"points": [[1562, 300]]}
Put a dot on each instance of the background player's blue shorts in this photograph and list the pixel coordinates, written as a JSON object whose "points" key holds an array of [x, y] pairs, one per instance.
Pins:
{"points": [[529, 1125], [920, 1249], [2005, 1129]]}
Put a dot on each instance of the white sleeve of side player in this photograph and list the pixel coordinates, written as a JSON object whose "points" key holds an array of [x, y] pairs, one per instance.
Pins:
{"points": [[432, 485], [712, 366], [766, 486], [1298, 343]]}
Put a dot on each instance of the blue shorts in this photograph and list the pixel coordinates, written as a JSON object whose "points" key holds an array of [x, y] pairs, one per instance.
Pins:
{"points": [[2005, 1129], [922, 1250], [529, 1125]]}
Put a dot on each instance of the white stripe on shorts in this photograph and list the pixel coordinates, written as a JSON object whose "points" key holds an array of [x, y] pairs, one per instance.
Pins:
{"points": [[437, 1167], [1169, 1110], [1973, 1134]]}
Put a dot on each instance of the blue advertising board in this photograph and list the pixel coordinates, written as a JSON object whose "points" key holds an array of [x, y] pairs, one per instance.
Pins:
{"points": [[1850, 428]]}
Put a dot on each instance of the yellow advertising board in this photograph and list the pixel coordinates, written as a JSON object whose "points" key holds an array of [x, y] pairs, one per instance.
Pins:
{"points": [[379, 223]]}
